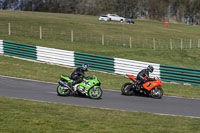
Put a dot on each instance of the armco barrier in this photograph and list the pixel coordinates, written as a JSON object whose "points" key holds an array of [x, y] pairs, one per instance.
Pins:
{"points": [[19, 50], [52, 55], [180, 74], [1, 46], [124, 66], [96, 62], [101, 63]]}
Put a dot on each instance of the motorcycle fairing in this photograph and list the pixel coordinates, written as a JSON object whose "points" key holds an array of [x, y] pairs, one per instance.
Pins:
{"points": [[152, 84], [87, 84], [130, 77], [66, 78]]}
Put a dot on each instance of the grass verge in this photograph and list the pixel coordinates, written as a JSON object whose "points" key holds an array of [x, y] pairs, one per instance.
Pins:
{"points": [[88, 36], [51, 73], [23, 116]]}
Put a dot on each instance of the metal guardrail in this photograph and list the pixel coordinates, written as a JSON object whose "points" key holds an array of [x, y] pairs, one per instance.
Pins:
{"points": [[52, 55], [96, 62], [100, 63], [124, 66], [180, 74], [19, 50], [1, 47]]}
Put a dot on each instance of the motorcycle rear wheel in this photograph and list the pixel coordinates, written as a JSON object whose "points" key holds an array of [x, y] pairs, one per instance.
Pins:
{"points": [[127, 89], [61, 91], [157, 93], [95, 93]]}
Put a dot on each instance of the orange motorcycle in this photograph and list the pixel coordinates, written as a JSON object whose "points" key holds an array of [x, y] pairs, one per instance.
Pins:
{"points": [[152, 87]]}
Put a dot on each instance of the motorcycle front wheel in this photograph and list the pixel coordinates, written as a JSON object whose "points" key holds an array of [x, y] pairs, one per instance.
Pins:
{"points": [[157, 93], [127, 89], [62, 91], [95, 93]]}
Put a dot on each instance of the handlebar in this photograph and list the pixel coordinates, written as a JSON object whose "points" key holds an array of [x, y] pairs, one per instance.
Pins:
{"points": [[152, 79], [88, 77]]}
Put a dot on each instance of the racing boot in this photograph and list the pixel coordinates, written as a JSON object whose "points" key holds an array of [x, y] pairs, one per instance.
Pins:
{"points": [[70, 85], [137, 85]]}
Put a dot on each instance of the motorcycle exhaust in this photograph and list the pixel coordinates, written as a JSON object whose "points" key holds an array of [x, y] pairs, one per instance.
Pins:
{"points": [[63, 84]]}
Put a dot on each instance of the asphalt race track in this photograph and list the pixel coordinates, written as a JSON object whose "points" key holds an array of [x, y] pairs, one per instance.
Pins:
{"points": [[46, 92]]}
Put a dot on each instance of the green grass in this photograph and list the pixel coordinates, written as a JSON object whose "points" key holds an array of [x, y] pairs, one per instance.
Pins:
{"points": [[51, 73], [88, 33], [23, 116], [26, 24]]}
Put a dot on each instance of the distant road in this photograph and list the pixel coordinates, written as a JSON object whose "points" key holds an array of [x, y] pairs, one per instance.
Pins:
{"points": [[46, 92]]}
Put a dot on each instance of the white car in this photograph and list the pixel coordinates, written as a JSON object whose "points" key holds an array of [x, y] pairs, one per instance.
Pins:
{"points": [[104, 18], [115, 17]]}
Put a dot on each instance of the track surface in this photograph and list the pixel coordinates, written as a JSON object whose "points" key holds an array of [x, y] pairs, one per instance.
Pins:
{"points": [[41, 91]]}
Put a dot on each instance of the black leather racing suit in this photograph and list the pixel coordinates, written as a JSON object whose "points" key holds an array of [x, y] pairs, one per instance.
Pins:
{"points": [[141, 75], [78, 75]]}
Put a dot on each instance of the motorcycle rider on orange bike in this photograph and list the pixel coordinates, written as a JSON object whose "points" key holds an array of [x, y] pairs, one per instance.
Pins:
{"points": [[143, 76], [143, 84]]}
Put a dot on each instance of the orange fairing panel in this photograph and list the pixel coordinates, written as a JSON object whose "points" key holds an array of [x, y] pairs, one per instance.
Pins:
{"points": [[131, 77], [150, 85]]}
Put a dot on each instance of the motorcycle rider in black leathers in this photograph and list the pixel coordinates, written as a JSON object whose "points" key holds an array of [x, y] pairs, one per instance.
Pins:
{"points": [[144, 73], [78, 74]]}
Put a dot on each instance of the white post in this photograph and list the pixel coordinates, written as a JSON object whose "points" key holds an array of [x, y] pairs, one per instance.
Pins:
{"points": [[102, 39], [171, 44], [72, 36], [9, 29], [199, 43], [190, 43], [130, 42], [40, 32], [181, 44], [154, 43]]}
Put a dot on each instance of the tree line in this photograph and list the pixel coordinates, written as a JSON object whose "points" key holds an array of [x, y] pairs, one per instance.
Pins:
{"points": [[186, 11]]}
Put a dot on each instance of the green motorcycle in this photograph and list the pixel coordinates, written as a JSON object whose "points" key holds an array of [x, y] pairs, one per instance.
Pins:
{"points": [[90, 86]]}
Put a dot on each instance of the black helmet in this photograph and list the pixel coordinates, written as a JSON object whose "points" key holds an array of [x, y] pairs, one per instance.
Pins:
{"points": [[150, 68], [85, 67]]}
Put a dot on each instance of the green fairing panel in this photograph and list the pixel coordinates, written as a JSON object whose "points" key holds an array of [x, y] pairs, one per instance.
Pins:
{"points": [[66, 78], [89, 83]]}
